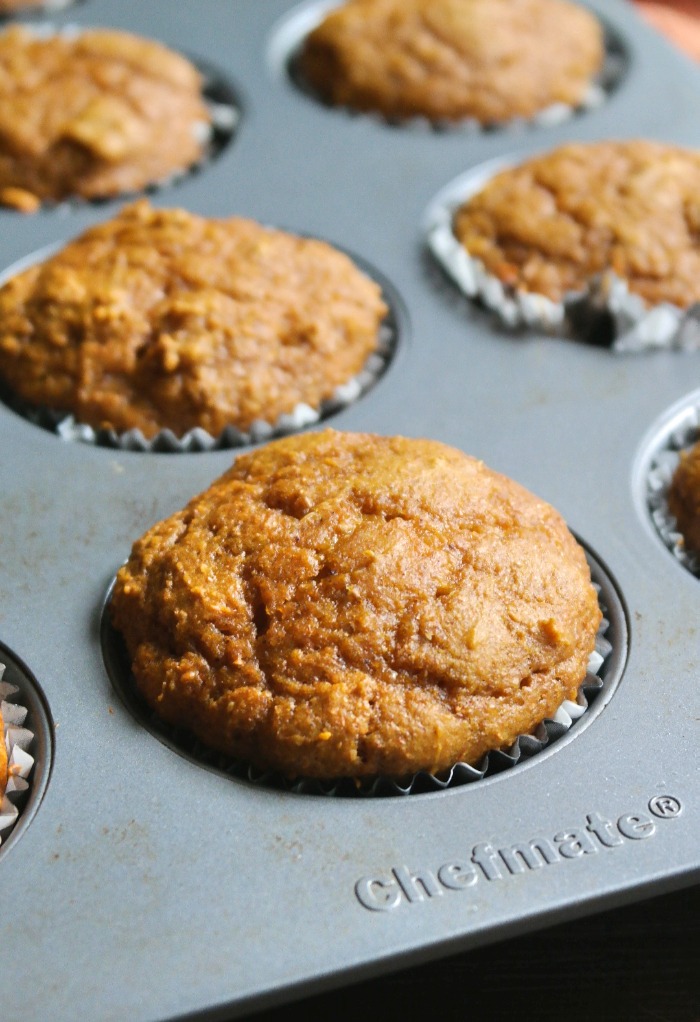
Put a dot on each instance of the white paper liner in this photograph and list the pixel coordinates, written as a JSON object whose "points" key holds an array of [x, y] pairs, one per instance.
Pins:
{"points": [[18, 740], [522, 749], [289, 35], [213, 137], [660, 473], [606, 312], [198, 440]]}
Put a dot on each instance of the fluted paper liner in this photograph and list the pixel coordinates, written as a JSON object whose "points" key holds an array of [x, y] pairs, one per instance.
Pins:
{"points": [[662, 467], [17, 740], [606, 312]]}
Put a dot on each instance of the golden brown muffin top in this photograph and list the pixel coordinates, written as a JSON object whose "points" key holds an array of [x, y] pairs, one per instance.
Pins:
{"points": [[684, 497], [553, 222], [344, 604], [93, 114], [492, 60], [162, 319]]}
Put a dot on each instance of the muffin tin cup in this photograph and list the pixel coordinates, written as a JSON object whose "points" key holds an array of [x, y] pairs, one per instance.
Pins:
{"points": [[198, 440], [18, 740], [603, 672], [288, 37], [607, 313], [66, 426], [218, 95], [682, 434]]}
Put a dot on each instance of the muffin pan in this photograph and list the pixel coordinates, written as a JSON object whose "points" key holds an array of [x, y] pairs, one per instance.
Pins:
{"points": [[155, 885]]}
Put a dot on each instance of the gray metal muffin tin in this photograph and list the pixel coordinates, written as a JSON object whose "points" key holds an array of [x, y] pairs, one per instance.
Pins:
{"points": [[146, 886]]}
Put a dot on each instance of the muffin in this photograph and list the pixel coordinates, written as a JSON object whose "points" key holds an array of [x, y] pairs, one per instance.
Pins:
{"points": [[684, 497], [351, 605], [161, 319], [446, 60], [551, 224], [94, 114]]}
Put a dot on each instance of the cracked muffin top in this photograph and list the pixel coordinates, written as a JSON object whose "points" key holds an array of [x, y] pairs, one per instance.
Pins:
{"points": [[684, 497], [93, 114], [162, 319], [550, 224], [348, 605], [492, 60]]}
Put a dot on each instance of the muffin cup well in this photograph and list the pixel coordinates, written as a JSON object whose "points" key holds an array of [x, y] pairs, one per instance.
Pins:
{"points": [[604, 669], [683, 434], [218, 95], [18, 740], [289, 34], [606, 313], [197, 440]]}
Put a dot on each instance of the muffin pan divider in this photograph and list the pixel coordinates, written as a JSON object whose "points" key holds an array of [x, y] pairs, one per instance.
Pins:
{"points": [[156, 888]]}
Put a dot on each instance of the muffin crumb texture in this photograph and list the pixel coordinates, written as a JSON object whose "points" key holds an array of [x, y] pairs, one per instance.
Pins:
{"points": [[349, 605], [491, 60], [551, 224], [93, 114], [160, 319], [684, 497]]}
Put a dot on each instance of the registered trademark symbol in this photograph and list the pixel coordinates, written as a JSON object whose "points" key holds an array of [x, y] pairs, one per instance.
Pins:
{"points": [[665, 806]]}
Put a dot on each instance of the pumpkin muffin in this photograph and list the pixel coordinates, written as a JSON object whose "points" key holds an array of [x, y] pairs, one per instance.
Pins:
{"points": [[160, 319], [94, 114], [684, 497], [491, 60], [351, 605], [551, 224]]}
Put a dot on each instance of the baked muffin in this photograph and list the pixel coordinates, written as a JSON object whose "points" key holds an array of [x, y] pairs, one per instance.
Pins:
{"points": [[351, 605], [94, 114], [160, 319], [492, 60], [549, 225], [684, 497]]}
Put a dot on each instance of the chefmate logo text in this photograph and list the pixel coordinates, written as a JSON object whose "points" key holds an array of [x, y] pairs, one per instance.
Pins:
{"points": [[490, 862]]}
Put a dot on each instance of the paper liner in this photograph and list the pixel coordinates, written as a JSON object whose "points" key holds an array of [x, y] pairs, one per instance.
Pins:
{"points": [[17, 740], [218, 96], [606, 313], [291, 31], [496, 761], [197, 440], [662, 467]]}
